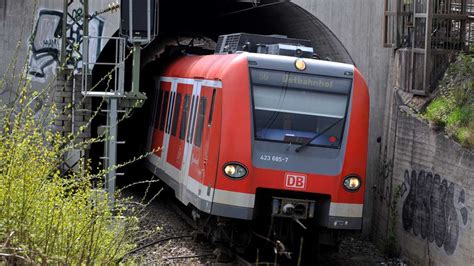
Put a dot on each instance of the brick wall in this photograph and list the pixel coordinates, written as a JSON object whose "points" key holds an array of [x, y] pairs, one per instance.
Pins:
{"points": [[80, 110]]}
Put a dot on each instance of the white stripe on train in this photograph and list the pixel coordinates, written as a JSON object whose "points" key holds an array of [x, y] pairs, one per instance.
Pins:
{"points": [[247, 200], [188, 81]]}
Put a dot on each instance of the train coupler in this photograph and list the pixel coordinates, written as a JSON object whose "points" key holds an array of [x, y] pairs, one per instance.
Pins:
{"points": [[293, 208]]}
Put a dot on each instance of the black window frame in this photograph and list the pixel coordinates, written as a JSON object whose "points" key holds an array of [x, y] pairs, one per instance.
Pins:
{"points": [[345, 118], [184, 117], [211, 111], [201, 115], [192, 121], [158, 108], [176, 113], [164, 111]]}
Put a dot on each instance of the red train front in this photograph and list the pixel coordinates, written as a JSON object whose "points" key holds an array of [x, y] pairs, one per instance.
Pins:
{"points": [[254, 136]]}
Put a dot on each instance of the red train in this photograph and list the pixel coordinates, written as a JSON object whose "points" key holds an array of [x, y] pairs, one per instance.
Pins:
{"points": [[253, 136]]}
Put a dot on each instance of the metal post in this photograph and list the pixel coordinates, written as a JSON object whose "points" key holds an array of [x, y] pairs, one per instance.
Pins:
{"points": [[86, 18], [64, 30], [427, 58], [111, 148], [85, 31], [136, 68]]}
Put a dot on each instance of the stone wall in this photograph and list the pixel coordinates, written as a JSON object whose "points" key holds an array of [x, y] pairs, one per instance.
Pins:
{"points": [[429, 177], [74, 116]]}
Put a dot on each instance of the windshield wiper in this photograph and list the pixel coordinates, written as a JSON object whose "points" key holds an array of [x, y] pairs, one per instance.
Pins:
{"points": [[318, 135]]}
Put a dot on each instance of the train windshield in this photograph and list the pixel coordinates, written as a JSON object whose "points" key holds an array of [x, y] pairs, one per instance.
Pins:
{"points": [[295, 108]]}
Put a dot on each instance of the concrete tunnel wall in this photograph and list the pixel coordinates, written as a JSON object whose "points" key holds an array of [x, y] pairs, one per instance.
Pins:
{"points": [[357, 24]]}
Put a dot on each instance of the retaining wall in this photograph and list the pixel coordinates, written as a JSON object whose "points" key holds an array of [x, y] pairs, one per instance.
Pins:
{"points": [[429, 177]]}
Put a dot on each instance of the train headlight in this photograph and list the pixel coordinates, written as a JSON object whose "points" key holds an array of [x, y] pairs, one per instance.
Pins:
{"points": [[300, 64], [235, 170], [352, 183]]}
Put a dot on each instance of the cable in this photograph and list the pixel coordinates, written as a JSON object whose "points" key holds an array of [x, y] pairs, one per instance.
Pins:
{"points": [[151, 244], [190, 256]]}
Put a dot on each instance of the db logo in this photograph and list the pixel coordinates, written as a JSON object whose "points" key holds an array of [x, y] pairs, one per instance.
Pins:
{"points": [[295, 181]]}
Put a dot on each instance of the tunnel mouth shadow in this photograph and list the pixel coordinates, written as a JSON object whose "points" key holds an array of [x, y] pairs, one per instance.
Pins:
{"points": [[207, 21]]}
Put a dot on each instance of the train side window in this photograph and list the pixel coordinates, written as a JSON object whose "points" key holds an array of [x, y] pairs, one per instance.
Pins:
{"points": [[184, 118], [165, 107], [200, 121], [170, 111], [212, 107], [193, 119], [158, 108], [177, 108]]}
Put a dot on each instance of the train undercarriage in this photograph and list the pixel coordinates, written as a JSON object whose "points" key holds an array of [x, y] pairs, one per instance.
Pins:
{"points": [[285, 230]]}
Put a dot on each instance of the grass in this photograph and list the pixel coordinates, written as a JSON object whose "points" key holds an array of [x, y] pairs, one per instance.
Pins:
{"points": [[453, 109]]}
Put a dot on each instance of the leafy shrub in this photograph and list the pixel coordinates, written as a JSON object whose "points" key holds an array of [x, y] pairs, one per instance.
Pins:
{"points": [[438, 111], [48, 216], [453, 109]]}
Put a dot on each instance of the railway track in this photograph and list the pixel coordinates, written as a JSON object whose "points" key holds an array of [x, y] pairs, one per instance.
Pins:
{"points": [[177, 241], [234, 257]]}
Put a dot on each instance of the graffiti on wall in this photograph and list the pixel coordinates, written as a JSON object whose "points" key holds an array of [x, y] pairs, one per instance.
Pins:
{"points": [[384, 187], [433, 209], [46, 42]]}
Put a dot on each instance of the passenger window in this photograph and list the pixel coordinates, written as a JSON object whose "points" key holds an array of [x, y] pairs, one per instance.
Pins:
{"points": [[184, 118], [163, 112], [171, 108], [177, 108], [212, 107], [200, 121], [158, 108], [193, 119]]}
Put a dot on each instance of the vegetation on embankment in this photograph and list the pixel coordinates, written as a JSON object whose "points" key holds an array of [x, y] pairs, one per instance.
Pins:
{"points": [[453, 109], [46, 215], [49, 215]]}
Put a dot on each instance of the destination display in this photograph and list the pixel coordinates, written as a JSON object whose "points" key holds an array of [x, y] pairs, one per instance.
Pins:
{"points": [[301, 81]]}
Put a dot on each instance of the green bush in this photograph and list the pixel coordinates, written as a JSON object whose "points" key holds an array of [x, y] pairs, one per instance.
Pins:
{"points": [[438, 111], [453, 109], [47, 216]]}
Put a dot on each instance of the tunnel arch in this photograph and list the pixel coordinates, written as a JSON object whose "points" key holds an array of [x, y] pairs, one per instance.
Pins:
{"points": [[209, 19], [284, 18]]}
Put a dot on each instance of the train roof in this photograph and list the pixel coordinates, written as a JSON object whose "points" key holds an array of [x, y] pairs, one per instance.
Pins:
{"points": [[213, 67]]}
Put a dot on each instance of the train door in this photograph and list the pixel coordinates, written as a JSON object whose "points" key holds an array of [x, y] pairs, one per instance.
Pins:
{"points": [[174, 158], [160, 117], [189, 183], [200, 149], [165, 123], [157, 98]]}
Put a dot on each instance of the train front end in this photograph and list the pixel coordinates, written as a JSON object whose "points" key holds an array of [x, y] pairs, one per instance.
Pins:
{"points": [[299, 152]]}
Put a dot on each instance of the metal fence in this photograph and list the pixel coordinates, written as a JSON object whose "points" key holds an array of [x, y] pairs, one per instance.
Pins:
{"points": [[433, 30]]}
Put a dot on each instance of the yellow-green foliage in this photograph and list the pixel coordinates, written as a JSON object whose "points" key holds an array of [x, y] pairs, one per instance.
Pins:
{"points": [[47, 216], [453, 109]]}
